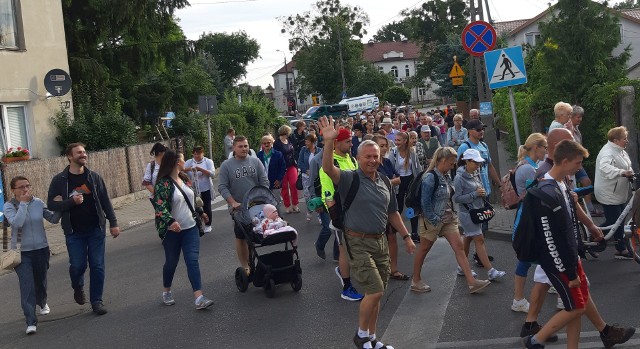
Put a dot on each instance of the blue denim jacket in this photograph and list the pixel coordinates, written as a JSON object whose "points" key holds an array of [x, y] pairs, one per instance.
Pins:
{"points": [[433, 207]]}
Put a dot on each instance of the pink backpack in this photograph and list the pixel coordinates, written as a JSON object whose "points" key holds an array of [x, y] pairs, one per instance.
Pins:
{"points": [[510, 199]]}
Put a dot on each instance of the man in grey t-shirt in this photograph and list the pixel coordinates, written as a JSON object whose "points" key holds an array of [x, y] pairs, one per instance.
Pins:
{"points": [[364, 227], [237, 176]]}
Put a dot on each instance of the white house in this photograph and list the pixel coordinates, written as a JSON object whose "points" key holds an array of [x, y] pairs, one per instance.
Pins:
{"points": [[400, 59], [32, 42], [527, 32]]}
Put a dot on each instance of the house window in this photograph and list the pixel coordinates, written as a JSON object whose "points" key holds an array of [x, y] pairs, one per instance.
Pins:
{"points": [[394, 71], [381, 69], [14, 127], [291, 88], [422, 91], [531, 38], [8, 24], [406, 70]]}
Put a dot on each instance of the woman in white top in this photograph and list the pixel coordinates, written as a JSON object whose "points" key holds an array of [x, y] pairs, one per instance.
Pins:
{"points": [[151, 171], [177, 227], [405, 161], [611, 185]]}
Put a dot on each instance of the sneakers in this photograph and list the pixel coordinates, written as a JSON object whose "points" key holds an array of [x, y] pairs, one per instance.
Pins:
{"points": [[623, 255], [493, 274], [360, 342], [288, 210], [45, 310], [529, 331], [478, 262], [521, 305], [351, 294], [78, 296], [617, 335], [380, 345], [295, 209], [207, 229], [478, 285], [337, 270], [419, 286], [31, 329], [461, 273], [559, 304], [308, 216], [552, 290], [415, 239], [98, 308], [526, 343], [167, 298], [203, 303], [320, 253]]}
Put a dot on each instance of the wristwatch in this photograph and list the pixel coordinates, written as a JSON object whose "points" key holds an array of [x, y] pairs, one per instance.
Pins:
{"points": [[406, 236]]}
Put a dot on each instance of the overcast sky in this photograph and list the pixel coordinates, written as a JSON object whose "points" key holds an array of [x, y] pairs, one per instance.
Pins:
{"points": [[258, 18]]}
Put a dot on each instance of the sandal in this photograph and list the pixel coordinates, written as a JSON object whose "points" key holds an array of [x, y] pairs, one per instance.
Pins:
{"points": [[396, 275]]}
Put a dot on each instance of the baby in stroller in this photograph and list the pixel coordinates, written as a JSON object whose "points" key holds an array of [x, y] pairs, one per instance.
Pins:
{"points": [[268, 222]]}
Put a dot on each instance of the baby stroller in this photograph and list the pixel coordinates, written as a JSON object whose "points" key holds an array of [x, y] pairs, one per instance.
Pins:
{"points": [[273, 268]]}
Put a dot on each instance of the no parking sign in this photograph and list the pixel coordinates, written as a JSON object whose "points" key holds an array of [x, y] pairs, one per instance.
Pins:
{"points": [[478, 37]]}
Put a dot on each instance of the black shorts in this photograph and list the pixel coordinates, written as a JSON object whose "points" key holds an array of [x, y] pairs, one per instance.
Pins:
{"points": [[238, 230]]}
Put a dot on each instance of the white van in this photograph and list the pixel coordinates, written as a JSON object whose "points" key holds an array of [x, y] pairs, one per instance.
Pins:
{"points": [[361, 104]]}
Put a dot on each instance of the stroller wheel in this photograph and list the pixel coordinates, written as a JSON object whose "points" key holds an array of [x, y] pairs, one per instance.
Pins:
{"points": [[242, 280], [270, 288], [296, 284]]}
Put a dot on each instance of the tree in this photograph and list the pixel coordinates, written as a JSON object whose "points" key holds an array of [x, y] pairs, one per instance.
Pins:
{"points": [[327, 43], [394, 31], [231, 52], [397, 95], [627, 4], [369, 80], [442, 57]]}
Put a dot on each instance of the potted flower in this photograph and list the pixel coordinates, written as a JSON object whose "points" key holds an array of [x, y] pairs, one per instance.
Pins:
{"points": [[16, 154]]}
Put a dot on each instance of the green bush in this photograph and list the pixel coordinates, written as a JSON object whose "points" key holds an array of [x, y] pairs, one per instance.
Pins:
{"points": [[397, 95], [98, 120]]}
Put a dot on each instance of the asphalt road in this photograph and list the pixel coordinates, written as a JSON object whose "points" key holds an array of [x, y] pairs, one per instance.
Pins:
{"points": [[316, 317]]}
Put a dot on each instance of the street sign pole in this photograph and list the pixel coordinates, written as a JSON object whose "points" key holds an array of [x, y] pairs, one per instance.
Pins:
{"points": [[514, 116]]}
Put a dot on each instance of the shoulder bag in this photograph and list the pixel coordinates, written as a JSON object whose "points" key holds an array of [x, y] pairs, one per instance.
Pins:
{"points": [[196, 216]]}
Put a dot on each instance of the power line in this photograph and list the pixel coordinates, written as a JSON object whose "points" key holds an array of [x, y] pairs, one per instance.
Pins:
{"points": [[400, 13]]}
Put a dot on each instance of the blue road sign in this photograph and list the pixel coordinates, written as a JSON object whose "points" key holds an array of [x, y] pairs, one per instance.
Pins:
{"points": [[505, 67]]}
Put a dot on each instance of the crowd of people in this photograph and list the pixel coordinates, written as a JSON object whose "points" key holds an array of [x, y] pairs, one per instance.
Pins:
{"points": [[378, 154]]}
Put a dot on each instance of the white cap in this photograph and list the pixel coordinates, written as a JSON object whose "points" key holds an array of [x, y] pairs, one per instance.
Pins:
{"points": [[386, 121], [472, 154]]}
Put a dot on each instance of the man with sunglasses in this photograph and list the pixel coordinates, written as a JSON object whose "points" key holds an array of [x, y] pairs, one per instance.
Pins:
{"points": [[487, 170]]}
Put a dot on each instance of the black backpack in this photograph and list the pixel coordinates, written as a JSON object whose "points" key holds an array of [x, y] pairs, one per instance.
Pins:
{"points": [[413, 197], [524, 240]]}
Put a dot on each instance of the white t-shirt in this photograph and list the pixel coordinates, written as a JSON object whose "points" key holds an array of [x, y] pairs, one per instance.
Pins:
{"points": [[204, 181], [151, 177], [180, 211]]}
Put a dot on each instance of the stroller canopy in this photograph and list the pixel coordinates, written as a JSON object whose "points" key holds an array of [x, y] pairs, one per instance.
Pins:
{"points": [[253, 201]]}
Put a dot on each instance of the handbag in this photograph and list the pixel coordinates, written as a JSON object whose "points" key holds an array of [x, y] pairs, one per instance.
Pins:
{"points": [[10, 259], [196, 216], [481, 215], [299, 181]]}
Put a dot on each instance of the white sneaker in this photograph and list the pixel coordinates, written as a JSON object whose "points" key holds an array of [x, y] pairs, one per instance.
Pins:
{"points": [[207, 228], [495, 274], [31, 329], [560, 304], [45, 310], [552, 290], [461, 273], [521, 305]]}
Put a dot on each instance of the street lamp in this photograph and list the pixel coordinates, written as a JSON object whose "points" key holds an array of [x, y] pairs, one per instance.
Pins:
{"points": [[286, 72]]}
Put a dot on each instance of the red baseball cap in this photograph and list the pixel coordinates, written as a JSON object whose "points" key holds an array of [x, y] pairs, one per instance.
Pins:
{"points": [[343, 134]]}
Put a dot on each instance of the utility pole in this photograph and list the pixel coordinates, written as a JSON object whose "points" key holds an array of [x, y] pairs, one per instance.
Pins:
{"points": [[286, 79], [485, 95]]}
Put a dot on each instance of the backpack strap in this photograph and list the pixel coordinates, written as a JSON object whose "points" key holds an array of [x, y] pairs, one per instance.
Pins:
{"points": [[351, 195]]}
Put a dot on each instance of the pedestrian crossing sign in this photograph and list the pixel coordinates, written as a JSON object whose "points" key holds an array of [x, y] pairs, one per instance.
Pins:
{"points": [[505, 67]]}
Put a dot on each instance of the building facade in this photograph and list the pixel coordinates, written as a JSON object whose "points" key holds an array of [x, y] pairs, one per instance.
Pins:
{"points": [[32, 42], [399, 59]]}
